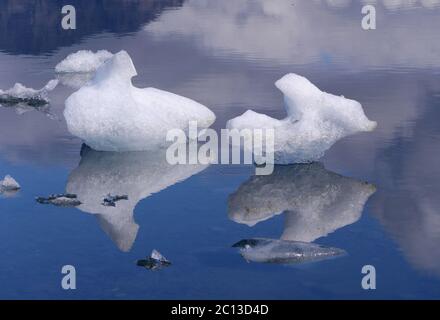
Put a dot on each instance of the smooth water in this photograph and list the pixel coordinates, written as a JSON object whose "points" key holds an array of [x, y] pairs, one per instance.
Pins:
{"points": [[226, 55]]}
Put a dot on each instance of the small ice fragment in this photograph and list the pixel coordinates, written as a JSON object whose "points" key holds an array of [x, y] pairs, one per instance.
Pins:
{"points": [[21, 95], [315, 121], [8, 184], [284, 252], [83, 61], [60, 200], [110, 114], [155, 261], [110, 201]]}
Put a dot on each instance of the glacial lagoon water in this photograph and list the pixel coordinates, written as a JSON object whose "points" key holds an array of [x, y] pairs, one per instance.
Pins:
{"points": [[373, 195]]}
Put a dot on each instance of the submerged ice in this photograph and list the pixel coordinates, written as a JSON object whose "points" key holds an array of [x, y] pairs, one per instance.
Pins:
{"points": [[110, 114], [315, 121], [314, 201], [284, 252]]}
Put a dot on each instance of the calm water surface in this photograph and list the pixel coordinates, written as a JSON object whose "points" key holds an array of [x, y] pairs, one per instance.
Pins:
{"points": [[226, 55]]}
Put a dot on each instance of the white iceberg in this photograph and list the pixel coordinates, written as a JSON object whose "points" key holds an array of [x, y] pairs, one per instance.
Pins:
{"points": [[135, 174], [284, 252], [315, 121], [8, 184], [315, 201], [19, 95], [110, 114], [83, 61]]}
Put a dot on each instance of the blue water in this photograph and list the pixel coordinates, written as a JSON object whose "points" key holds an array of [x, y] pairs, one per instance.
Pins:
{"points": [[226, 55]]}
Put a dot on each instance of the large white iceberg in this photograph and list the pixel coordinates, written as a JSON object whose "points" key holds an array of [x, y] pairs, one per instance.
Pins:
{"points": [[110, 114], [135, 174], [315, 121], [83, 61], [315, 201]]}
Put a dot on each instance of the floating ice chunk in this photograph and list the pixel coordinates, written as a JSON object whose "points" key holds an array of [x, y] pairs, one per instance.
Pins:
{"points": [[60, 200], [155, 261], [315, 201], [83, 61], [19, 95], [284, 252], [109, 114], [315, 121], [8, 184], [135, 174]]}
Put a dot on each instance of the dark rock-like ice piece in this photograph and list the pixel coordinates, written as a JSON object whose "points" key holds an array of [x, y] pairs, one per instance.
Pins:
{"points": [[284, 252], [155, 261], [60, 200], [110, 201]]}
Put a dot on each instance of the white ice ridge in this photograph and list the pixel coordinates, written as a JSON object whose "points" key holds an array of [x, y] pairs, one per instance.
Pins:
{"points": [[110, 114], [83, 61], [315, 121], [19, 91], [315, 201], [8, 184], [135, 174]]}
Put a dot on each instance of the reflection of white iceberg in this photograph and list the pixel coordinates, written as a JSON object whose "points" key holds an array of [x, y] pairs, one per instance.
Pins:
{"points": [[315, 121], [285, 252], [112, 115], [315, 201], [136, 174]]}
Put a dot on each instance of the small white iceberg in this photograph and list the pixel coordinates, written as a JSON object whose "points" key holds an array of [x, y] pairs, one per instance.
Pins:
{"points": [[83, 61], [315, 121], [19, 95], [8, 184], [110, 114]]}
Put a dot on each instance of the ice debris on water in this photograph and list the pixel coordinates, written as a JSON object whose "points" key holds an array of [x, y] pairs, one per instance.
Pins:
{"points": [[315, 121], [60, 200], [83, 61], [284, 251], [110, 114], [19, 95], [8, 184], [155, 261], [110, 201]]}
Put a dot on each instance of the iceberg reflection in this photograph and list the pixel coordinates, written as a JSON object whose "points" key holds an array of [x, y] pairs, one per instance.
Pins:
{"points": [[315, 201], [135, 174]]}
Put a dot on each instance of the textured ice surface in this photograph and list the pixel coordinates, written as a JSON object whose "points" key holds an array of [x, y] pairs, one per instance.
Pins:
{"points": [[135, 174], [8, 184], [314, 200], [315, 121], [284, 252], [109, 114], [19, 95], [83, 61]]}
